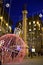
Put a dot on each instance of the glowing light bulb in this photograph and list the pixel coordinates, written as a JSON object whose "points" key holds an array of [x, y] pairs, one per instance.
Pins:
{"points": [[7, 5]]}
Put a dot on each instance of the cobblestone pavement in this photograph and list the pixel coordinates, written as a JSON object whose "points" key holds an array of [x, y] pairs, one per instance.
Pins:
{"points": [[30, 61]]}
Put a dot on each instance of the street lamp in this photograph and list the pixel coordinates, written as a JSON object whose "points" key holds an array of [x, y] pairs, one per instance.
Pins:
{"points": [[8, 6]]}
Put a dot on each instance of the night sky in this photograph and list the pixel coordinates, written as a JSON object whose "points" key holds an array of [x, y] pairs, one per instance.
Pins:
{"points": [[15, 8]]}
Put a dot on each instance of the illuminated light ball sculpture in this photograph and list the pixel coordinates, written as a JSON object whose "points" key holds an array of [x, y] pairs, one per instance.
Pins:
{"points": [[13, 48]]}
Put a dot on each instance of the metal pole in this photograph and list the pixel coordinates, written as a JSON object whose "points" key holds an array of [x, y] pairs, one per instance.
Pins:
{"points": [[9, 15]]}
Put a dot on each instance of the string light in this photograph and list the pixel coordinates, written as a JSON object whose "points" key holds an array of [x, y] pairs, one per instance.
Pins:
{"points": [[40, 15], [7, 5]]}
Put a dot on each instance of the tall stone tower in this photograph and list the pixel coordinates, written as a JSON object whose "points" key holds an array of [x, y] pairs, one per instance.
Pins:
{"points": [[24, 28]]}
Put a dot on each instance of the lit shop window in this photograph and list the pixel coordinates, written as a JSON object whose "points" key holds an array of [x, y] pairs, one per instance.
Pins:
{"points": [[33, 22], [34, 29], [29, 29], [29, 23]]}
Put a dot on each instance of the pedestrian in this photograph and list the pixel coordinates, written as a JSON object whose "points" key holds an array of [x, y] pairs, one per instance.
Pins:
{"points": [[12, 55], [30, 51]]}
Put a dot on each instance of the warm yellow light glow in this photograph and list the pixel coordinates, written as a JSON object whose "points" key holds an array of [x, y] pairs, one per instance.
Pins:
{"points": [[37, 22], [33, 22], [1, 18], [6, 24], [10, 28], [29, 29], [29, 23]]}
